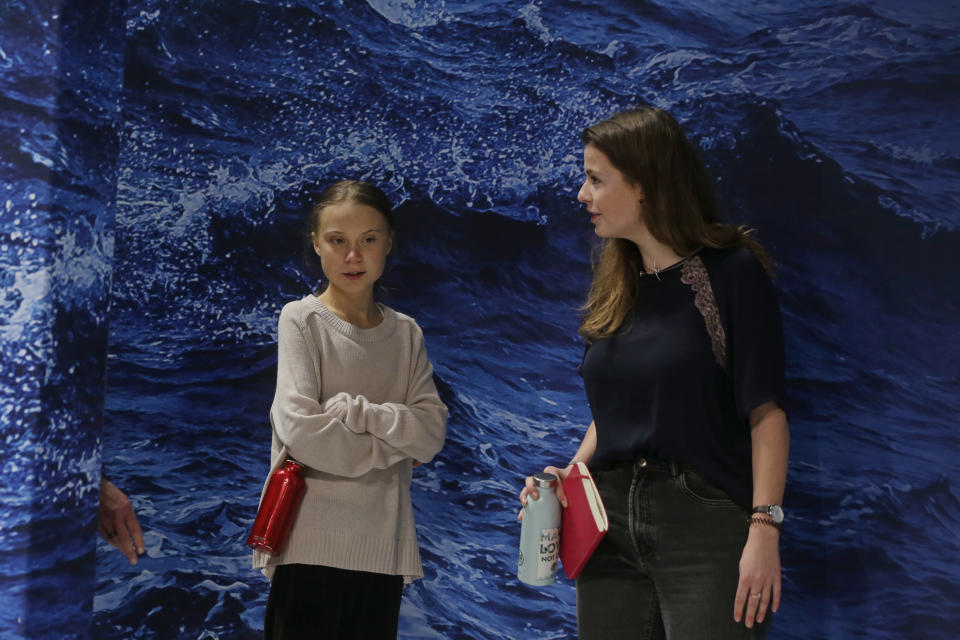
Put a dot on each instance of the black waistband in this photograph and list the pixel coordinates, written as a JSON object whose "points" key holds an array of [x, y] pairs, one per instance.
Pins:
{"points": [[649, 464]]}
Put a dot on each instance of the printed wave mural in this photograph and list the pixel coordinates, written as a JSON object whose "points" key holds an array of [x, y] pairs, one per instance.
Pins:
{"points": [[826, 125]]}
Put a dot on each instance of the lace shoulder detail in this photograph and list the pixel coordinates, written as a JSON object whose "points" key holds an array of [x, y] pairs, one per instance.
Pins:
{"points": [[694, 273]]}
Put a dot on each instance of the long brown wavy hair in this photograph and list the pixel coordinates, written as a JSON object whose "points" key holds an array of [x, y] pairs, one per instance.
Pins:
{"points": [[649, 148]]}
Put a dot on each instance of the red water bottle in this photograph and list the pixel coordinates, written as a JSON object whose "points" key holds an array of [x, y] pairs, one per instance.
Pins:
{"points": [[278, 508]]}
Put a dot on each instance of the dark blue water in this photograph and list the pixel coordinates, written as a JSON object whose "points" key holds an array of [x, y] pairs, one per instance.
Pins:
{"points": [[61, 75], [827, 127]]}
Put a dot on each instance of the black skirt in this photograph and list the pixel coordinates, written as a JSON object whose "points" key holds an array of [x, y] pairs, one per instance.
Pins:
{"points": [[323, 603]]}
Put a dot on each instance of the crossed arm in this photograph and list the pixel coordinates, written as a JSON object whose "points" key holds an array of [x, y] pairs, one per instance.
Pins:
{"points": [[348, 435]]}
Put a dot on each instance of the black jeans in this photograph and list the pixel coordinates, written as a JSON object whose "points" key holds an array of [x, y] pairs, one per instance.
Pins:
{"points": [[309, 602], [670, 562]]}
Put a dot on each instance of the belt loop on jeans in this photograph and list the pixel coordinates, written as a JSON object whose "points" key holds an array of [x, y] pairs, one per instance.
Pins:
{"points": [[674, 469]]}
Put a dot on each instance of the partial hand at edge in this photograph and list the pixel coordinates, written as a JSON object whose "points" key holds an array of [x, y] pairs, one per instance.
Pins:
{"points": [[117, 522]]}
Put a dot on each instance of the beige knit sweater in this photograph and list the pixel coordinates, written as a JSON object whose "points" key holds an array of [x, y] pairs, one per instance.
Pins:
{"points": [[356, 407]]}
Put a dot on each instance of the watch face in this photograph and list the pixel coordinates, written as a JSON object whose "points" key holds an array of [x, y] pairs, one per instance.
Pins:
{"points": [[774, 511]]}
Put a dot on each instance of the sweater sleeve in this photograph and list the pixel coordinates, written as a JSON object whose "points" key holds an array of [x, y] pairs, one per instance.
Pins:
{"points": [[312, 434], [417, 426]]}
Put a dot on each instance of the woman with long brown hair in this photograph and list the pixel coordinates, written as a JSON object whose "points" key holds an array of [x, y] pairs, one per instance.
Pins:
{"points": [[684, 373]]}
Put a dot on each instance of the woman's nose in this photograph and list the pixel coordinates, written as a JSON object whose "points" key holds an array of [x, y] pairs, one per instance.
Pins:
{"points": [[353, 255], [582, 193]]}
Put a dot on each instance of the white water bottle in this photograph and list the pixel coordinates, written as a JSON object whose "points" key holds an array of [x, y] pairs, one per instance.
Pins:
{"points": [[540, 534]]}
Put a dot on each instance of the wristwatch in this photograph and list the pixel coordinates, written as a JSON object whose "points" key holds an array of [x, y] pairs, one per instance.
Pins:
{"points": [[775, 512]]}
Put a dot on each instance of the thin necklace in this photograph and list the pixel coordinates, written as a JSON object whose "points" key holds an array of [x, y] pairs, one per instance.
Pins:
{"points": [[656, 270]]}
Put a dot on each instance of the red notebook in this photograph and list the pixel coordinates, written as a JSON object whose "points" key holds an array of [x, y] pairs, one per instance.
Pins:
{"points": [[584, 521]]}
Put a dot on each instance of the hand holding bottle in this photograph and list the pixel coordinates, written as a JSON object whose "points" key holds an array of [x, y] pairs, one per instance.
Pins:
{"points": [[530, 489]]}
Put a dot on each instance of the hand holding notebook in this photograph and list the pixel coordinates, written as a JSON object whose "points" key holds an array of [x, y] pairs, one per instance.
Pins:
{"points": [[584, 521]]}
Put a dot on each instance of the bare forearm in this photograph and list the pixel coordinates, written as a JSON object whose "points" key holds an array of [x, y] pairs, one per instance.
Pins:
{"points": [[770, 439], [588, 445], [759, 586]]}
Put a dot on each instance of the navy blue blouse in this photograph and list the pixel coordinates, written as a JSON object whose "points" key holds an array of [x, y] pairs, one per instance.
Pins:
{"points": [[702, 347]]}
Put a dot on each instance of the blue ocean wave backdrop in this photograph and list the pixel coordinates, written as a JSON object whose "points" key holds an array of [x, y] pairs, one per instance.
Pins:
{"points": [[60, 75], [827, 125], [823, 123]]}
